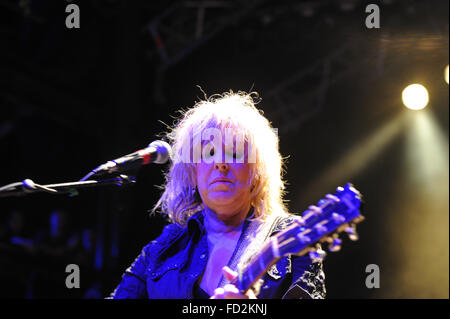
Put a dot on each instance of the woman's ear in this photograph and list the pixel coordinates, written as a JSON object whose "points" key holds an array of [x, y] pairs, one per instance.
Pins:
{"points": [[254, 181]]}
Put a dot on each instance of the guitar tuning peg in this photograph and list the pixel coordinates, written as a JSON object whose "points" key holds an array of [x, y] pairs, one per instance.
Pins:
{"points": [[303, 239], [333, 198], [300, 221], [338, 218], [335, 245], [351, 232], [321, 229], [315, 210], [317, 254]]}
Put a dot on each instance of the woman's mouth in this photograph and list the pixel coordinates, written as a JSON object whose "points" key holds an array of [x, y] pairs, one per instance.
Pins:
{"points": [[221, 180]]}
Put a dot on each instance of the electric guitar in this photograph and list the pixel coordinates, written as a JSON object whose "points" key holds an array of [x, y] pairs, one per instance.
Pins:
{"points": [[319, 224]]}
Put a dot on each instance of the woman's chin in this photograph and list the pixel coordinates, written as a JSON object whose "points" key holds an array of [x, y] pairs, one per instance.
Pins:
{"points": [[222, 198]]}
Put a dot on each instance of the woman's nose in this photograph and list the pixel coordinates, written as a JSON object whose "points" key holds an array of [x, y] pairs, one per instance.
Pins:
{"points": [[221, 166]]}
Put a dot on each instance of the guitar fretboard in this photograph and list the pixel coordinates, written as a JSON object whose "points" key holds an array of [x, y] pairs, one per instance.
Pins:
{"points": [[256, 268]]}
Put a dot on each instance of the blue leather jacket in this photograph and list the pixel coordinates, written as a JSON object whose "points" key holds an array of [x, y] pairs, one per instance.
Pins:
{"points": [[170, 266]]}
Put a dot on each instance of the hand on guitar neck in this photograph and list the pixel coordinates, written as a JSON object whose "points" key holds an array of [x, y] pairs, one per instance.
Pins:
{"points": [[230, 291]]}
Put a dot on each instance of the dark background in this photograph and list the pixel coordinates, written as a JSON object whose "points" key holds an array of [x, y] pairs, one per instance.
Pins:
{"points": [[71, 99]]}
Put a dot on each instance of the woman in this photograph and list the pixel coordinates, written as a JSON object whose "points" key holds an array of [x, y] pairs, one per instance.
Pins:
{"points": [[223, 195]]}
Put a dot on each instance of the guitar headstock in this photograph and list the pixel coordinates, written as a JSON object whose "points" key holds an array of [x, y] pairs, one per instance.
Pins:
{"points": [[322, 223]]}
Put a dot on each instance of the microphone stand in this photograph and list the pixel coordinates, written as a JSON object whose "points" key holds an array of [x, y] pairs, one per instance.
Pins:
{"points": [[27, 186]]}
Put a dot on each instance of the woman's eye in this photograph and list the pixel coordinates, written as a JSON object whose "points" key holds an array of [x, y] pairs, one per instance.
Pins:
{"points": [[238, 155], [235, 155], [211, 153]]}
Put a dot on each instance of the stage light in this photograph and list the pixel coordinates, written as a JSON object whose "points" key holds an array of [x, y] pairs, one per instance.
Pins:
{"points": [[446, 74], [415, 97]]}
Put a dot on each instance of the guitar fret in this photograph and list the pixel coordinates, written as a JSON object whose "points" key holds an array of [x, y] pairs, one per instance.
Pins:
{"points": [[250, 273], [262, 265], [242, 284], [274, 245], [247, 281], [267, 256]]}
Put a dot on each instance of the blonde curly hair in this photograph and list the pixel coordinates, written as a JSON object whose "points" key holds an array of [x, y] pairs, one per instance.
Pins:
{"points": [[180, 199]]}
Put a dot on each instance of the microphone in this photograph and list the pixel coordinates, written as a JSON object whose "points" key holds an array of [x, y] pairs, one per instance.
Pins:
{"points": [[156, 152]]}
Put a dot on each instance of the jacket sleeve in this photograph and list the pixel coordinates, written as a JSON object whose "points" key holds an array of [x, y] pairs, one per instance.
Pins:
{"points": [[308, 281], [134, 280], [133, 284]]}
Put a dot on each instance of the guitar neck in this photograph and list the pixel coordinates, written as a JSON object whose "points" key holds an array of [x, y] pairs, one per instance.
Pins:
{"points": [[319, 224], [257, 266]]}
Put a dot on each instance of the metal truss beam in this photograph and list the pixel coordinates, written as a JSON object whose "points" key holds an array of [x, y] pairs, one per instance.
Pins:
{"points": [[186, 25], [293, 102]]}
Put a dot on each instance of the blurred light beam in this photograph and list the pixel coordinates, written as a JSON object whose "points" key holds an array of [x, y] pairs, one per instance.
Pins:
{"points": [[356, 159]]}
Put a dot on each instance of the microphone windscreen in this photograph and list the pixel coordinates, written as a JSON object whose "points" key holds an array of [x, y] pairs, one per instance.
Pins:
{"points": [[163, 151]]}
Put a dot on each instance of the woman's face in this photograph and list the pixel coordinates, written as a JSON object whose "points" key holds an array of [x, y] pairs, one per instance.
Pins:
{"points": [[224, 185]]}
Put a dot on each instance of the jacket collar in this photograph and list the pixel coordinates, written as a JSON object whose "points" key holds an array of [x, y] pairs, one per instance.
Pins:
{"points": [[196, 223]]}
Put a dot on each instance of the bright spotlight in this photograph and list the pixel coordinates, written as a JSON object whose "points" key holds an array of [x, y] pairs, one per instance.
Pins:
{"points": [[446, 74], [415, 97]]}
